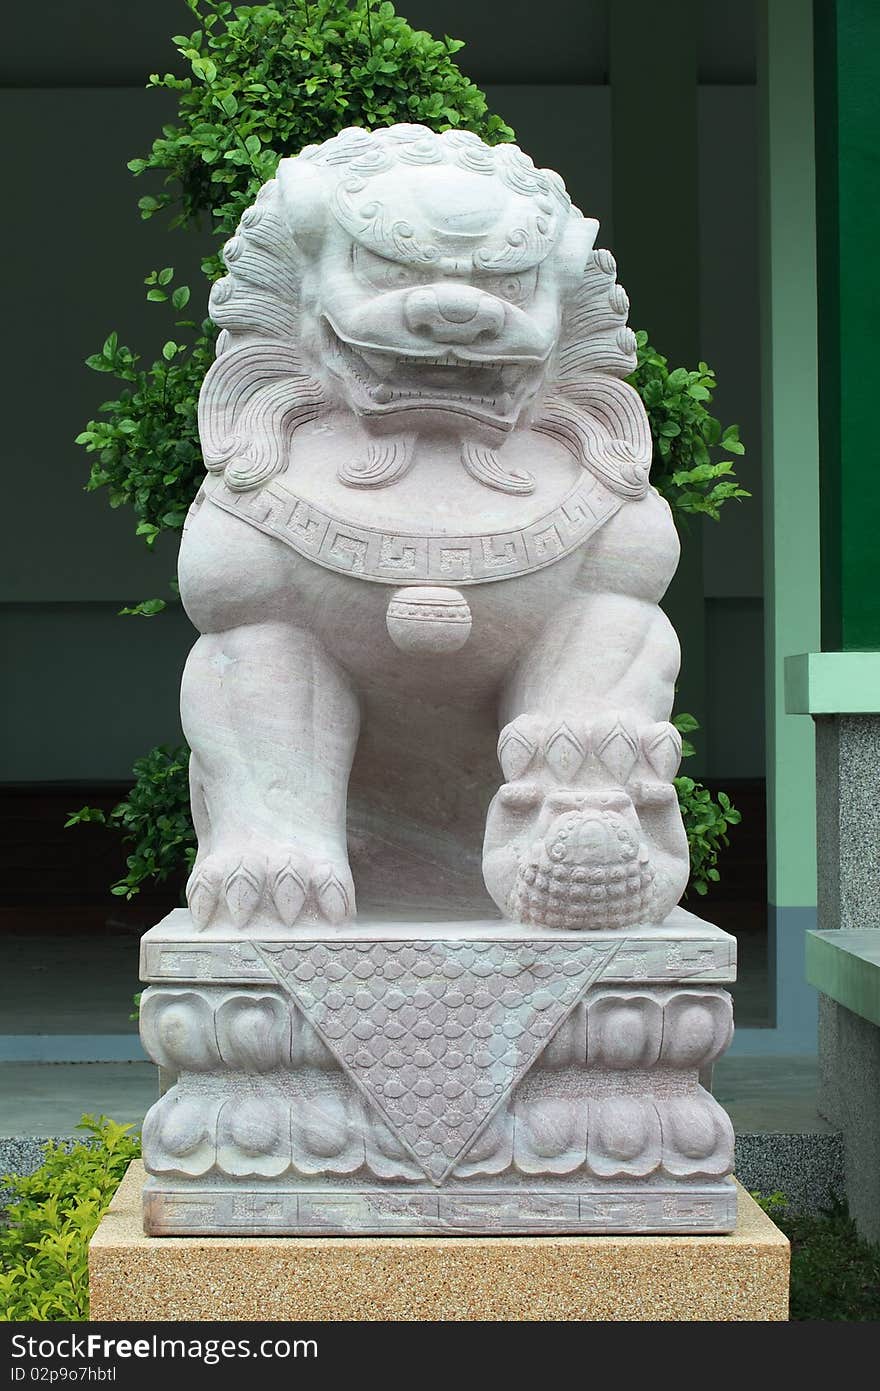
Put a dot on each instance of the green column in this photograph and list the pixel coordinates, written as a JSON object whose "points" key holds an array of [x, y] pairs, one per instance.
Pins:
{"points": [[847, 78], [655, 188], [790, 467], [790, 435]]}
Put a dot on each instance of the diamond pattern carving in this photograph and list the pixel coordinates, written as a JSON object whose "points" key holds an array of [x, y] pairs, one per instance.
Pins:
{"points": [[436, 1033]]}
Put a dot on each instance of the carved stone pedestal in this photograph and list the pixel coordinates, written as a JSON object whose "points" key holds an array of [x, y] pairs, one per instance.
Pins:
{"points": [[413, 1078]]}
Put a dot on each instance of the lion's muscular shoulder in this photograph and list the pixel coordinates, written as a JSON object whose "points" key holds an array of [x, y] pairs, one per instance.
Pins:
{"points": [[634, 553]]}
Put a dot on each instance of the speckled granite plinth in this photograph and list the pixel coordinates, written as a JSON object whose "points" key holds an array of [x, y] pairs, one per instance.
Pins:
{"points": [[740, 1276], [431, 1077]]}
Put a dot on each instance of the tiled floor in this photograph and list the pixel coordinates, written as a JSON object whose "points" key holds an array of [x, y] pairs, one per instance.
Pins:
{"points": [[50, 1098], [770, 1095]]}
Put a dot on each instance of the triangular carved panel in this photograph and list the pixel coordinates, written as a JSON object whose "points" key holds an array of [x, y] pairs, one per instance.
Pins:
{"points": [[436, 1033]]}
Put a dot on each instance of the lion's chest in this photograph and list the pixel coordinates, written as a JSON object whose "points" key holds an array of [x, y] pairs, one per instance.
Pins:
{"points": [[278, 551], [234, 573], [434, 527], [434, 495]]}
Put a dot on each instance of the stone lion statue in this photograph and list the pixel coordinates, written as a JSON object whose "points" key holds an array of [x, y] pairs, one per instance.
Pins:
{"points": [[427, 531]]}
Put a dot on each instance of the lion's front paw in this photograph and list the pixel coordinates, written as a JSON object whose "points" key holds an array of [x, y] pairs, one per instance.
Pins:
{"points": [[277, 883], [586, 831], [590, 869]]}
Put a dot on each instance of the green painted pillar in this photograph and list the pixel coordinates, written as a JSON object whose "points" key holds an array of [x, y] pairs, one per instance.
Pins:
{"points": [[790, 455], [790, 467], [847, 65], [655, 192]]}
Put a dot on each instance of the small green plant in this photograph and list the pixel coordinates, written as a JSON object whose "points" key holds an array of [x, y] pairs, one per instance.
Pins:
{"points": [[147, 452], [154, 818], [264, 81], [269, 79], [54, 1212], [835, 1272], [685, 435], [705, 819]]}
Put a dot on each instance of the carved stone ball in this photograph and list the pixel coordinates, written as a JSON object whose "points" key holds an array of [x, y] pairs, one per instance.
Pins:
{"points": [[429, 619]]}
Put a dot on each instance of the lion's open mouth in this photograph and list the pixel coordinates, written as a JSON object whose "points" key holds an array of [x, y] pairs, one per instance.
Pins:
{"points": [[384, 381]]}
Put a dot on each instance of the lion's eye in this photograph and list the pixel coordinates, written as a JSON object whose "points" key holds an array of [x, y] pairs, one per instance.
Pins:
{"points": [[383, 274], [516, 288]]}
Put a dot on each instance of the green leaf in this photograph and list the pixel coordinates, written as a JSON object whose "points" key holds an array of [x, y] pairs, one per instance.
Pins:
{"points": [[684, 435], [685, 723], [86, 814], [148, 608]]}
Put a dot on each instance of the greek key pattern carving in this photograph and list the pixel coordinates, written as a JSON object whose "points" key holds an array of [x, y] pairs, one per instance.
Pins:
{"points": [[328, 1211], [652, 954], [387, 557]]}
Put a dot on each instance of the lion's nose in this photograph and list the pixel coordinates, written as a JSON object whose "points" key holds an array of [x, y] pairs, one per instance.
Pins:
{"points": [[453, 313]]}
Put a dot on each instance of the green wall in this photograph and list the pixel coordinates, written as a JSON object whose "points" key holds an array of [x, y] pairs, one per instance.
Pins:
{"points": [[847, 37]]}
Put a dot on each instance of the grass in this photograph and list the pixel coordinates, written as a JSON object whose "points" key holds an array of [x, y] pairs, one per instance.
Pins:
{"points": [[835, 1273]]}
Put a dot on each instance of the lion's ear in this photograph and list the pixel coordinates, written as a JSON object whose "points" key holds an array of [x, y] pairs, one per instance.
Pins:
{"points": [[576, 244], [304, 200]]}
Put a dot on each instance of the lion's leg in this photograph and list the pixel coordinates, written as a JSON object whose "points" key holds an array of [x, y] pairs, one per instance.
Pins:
{"points": [[586, 831], [272, 723]]}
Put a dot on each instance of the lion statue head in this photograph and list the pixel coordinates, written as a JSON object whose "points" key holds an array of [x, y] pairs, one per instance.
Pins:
{"points": [[420, 282]]}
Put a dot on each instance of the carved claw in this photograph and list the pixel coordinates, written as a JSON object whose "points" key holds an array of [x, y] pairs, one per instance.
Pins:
{"points": [[289, 891], [266, 882], [616, 747], [661, 745], [565, 752], [333, 897], [518, 743], [242, 890], [202, 894]]}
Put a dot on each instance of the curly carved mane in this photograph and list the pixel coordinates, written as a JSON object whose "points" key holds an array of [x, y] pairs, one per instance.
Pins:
{"points": [[261, 388]]}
